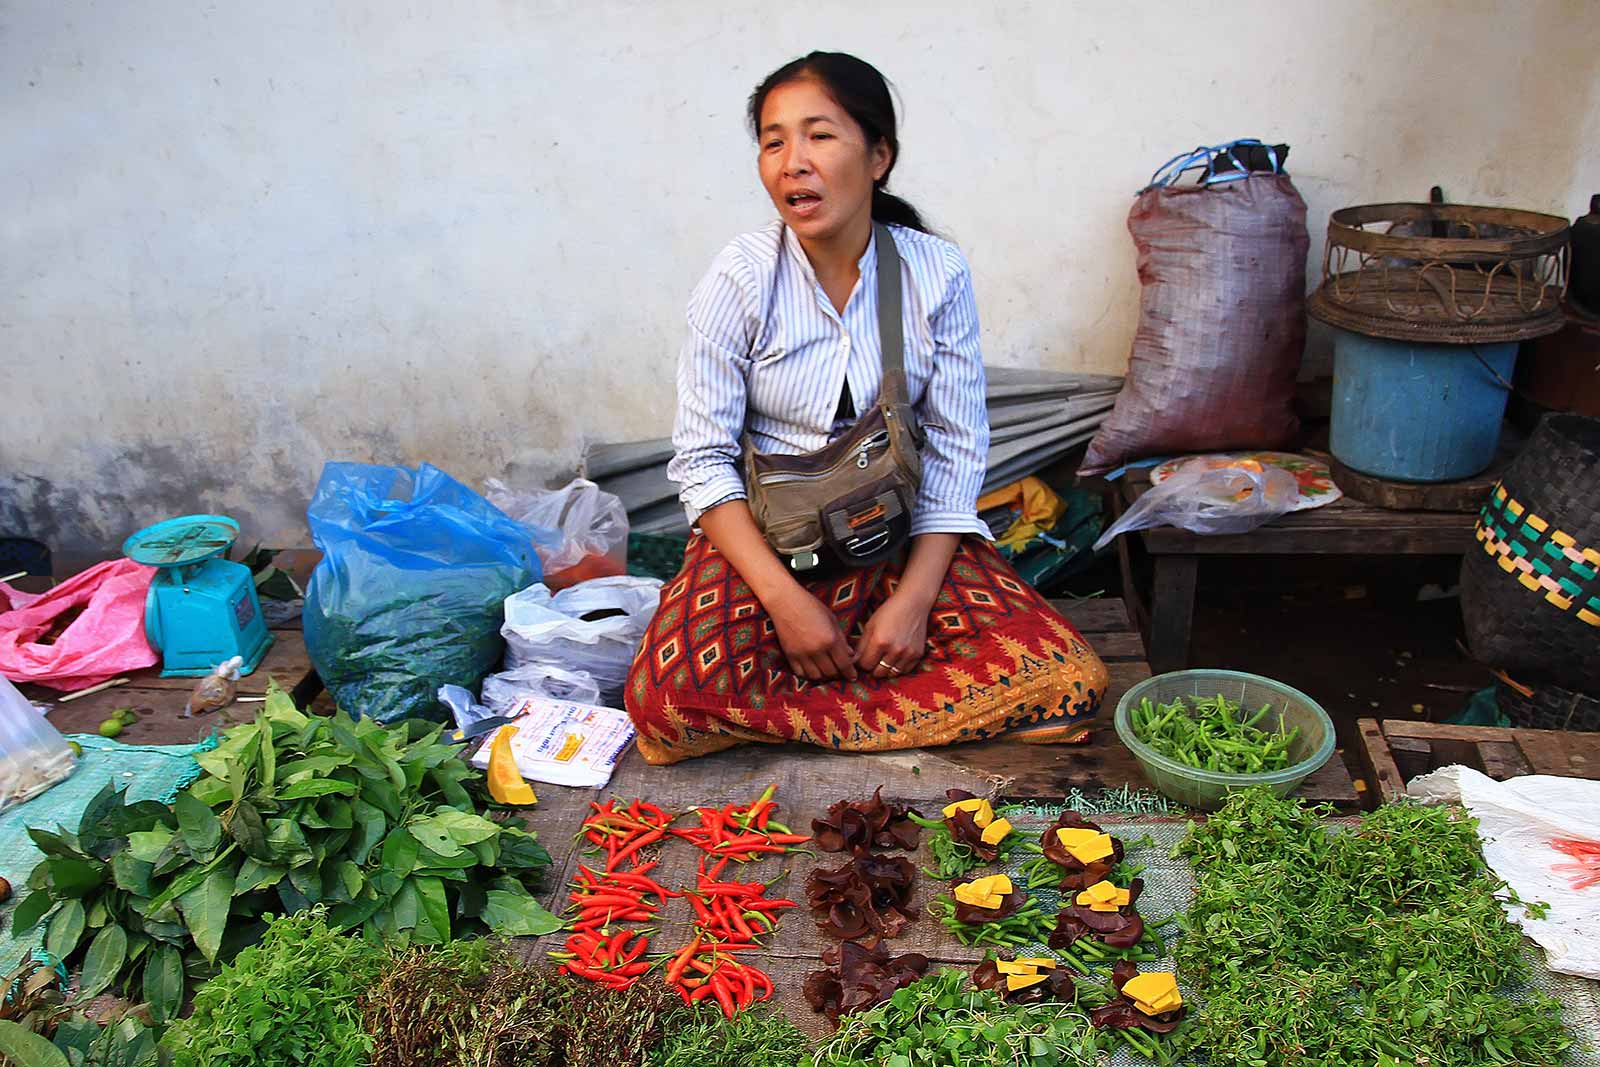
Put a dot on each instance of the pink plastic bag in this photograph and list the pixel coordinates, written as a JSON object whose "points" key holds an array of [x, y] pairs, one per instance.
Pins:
{"points": [[106, 640]]}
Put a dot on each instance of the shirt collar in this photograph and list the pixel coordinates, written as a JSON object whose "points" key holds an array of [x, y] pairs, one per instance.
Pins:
{"points": [[867, 262]]}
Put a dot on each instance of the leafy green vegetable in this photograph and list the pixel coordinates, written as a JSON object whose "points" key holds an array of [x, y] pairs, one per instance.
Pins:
{"points": [[474, 1004], [942, 1021], [752, 1038], [291, 1001], [1213, 735], [291, 811], [1385, 940], [27, 1049]]}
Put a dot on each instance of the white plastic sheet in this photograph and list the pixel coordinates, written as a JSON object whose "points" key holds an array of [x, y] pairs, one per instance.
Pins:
{"points": [[1517, 820]]}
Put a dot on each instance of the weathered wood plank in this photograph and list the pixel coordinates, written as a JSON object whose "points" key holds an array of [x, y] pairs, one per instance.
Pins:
{"points": [[286, 661], [1572, 754], [1095, 615], [1441, 731], [1383, 777], [1502, 760]]}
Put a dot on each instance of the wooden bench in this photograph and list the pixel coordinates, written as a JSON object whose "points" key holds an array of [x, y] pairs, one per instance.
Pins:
{"points": [[1395, 751], [1344, 527]]}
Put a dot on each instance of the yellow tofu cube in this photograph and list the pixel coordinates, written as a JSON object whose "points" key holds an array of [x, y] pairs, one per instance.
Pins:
{"points": [[998, 884], [1103, 907], [992, 902], [1007, 967], [1037, 962], [981, 811], [1103, 896], [1097, 848], [996, 831], [1071, 836], [971, 893], [1023, 981], [1153, 993]]}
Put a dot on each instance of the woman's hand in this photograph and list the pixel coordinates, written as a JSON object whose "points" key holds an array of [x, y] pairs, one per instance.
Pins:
{"points": [[811, 638], [895, 638]]}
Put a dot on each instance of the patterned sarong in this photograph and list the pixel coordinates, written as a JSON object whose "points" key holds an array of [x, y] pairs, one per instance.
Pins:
{"points": [[711, 674]]}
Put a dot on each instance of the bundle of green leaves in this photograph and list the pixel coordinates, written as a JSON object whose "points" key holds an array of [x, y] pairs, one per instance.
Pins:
{"points": [[291, 810], [757, 1037], [1380, 943], [942, 1021], [291, 1001], [478, 1005]]}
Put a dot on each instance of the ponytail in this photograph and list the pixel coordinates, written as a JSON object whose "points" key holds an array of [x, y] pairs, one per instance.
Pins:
{"points": [[888, 208]]}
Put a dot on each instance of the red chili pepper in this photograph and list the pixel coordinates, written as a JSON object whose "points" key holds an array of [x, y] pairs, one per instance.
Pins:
{"points": [[645, 839], [719, 989], [682, 959]]}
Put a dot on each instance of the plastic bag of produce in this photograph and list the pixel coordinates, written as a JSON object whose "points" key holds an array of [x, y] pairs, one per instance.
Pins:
{"points": [[409, 595], [1222, 309], [580, 530], [33, 754], [1208, 500], [594, 627]]}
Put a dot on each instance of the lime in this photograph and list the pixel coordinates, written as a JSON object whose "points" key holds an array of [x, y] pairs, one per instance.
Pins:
{"points": [[77, 749], [111, 728]]}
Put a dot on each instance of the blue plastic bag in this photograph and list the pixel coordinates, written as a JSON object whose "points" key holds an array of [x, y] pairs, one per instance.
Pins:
{"points": [[408, 596]]}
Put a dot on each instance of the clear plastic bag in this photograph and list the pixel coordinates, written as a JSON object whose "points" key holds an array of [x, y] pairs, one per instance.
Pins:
{"points": [[1227, 500], [595, 627], [580, 531], [33, 754], [501, 691]]}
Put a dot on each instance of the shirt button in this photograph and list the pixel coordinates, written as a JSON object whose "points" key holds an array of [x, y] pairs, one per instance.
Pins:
{"points": [[845, 344]]}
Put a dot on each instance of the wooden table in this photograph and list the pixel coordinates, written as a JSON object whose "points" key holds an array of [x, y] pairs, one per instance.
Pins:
{"points": [[1395, 751], [1344, 527]]}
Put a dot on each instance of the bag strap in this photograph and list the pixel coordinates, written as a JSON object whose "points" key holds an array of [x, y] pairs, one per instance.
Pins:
{"points": [[891, 335]]}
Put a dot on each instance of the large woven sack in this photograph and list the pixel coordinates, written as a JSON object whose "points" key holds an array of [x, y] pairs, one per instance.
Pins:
{"points": [[1222, 321], [1530, 586]]}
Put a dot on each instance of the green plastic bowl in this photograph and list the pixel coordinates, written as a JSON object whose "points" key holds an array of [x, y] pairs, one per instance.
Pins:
{"points": [[1207, 790]]}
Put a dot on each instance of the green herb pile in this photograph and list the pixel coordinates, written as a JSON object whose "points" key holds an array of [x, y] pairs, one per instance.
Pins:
{"points": [[291, 811], [291, 1001], [1381, 943], [942, 1021], [1214, 735], [478, 1005]]}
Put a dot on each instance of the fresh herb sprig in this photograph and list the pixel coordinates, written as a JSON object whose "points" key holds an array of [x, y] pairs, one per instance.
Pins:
{"points": [[952, 858]]}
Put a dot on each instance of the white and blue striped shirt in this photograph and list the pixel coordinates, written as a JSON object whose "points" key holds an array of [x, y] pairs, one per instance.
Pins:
{"points": [[768, 352]]}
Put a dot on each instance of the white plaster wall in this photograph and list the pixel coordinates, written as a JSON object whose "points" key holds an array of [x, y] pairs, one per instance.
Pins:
{"points": [[239, 239]]}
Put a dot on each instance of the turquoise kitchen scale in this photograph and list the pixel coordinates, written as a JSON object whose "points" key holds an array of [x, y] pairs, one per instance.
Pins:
{"points": [[202, 609]]}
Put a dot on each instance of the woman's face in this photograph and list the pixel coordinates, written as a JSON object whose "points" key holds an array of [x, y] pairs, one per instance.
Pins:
{"points": [[815, 161]]}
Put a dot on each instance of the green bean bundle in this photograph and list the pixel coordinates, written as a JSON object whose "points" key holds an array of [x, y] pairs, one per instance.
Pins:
{"points": [[1214, 735]]}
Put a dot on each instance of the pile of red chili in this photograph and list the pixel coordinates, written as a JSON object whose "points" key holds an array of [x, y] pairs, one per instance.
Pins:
{"points": [[727, 918], [742, 833], [614, 957]]}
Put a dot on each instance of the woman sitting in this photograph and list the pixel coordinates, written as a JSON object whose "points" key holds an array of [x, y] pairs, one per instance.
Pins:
{"points": [[942, 641]]}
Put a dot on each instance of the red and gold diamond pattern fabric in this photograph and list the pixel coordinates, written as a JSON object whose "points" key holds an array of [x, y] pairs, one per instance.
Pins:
{"points": [[710, 673]]}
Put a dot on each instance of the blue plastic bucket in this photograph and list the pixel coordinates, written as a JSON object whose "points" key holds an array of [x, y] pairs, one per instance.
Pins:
{"points": [[1415, 412]]}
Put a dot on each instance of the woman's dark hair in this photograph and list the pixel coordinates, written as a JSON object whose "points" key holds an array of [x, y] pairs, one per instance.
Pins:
{"points": [[864, 95]]}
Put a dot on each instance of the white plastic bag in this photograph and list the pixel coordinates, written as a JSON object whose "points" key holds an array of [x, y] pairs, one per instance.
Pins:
{"points": [[594, 627], [562, 742], [1229, 500], [1517, 820], [33, 754], [590, 524], [501, 691]]}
